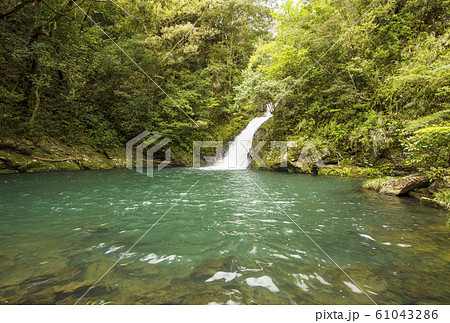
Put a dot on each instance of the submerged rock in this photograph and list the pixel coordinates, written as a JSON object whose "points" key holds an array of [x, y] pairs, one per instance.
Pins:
{"points": [[209, 268], [432, 202], [418, 193]]}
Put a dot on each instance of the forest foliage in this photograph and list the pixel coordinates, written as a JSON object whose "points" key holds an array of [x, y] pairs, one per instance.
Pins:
{"points": [[169, 67], [351, 75]]}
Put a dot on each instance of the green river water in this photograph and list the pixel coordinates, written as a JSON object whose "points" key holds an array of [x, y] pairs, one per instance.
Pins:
{"points": [[229, 240]]}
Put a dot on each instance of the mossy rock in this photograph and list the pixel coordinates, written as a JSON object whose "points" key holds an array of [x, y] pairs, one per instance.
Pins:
{"points": [[20, 162], [398, 186], [13, 159], [442, 197], [8, 171], [94, 161], [22, 146], [432, 202], [375, 183], [349, 171], [116, 157], [418, 193], [67, 165]]}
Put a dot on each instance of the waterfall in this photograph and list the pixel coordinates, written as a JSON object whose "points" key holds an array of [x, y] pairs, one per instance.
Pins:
{"points": [[237, 156]]}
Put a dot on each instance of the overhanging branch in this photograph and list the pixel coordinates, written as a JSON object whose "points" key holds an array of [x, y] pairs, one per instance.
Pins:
{"points": [[55, 11], [19, 5]]}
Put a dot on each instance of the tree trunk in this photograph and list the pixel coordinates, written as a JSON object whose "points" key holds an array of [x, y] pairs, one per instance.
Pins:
{"points": [[36, 106], [19, 5]]}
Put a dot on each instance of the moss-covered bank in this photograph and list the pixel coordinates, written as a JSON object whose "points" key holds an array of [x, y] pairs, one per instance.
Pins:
{"points": [[51, 155], [48, 154]]}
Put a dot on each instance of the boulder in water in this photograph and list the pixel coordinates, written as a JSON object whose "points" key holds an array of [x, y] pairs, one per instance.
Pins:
{"points": [[432, 202], [405, 184], [399, 186]]}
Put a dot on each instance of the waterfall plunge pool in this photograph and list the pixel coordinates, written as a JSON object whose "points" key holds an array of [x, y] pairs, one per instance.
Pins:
{"points": [[225, 241]]}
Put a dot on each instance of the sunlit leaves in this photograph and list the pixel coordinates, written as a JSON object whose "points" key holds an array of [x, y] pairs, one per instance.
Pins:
{"points": [[429, 147]]}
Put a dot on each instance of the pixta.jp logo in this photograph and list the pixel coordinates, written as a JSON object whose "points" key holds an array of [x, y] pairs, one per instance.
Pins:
{"points": [[143, 142]]}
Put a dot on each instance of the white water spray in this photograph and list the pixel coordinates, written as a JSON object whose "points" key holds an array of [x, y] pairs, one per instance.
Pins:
{"points": [[237, 156]]}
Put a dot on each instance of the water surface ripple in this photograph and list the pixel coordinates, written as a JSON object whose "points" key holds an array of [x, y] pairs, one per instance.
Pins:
{"points": [[225, 242]]}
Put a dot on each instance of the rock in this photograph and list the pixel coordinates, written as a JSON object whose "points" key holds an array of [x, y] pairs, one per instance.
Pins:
{"points": [[22, 155], [62, 276], [375, 184], [8, 171], [209, 268], [45, 297], [330, 161], [439, 184], [16, 161], [88, 158], [418, 193], [325, 153], [73, 287], [22, 146], [432, 202], [403, 185], [51, 148]]}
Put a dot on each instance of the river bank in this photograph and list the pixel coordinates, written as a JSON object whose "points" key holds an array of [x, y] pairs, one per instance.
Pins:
{"points": [[25, 156], [19, 156], [48, 154]]}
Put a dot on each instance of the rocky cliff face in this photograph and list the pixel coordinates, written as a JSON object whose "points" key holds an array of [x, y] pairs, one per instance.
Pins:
{"points": [[49, 154]]}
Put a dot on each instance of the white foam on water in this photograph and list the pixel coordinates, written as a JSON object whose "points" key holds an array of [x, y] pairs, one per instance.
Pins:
{"points": [[366, 236], [112, 249], [263, 281], [353, 287], [154, 259], [222, 275]]}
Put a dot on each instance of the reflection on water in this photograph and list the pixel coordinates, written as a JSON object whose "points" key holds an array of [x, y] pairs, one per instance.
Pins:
{"points": [[225, 242]]}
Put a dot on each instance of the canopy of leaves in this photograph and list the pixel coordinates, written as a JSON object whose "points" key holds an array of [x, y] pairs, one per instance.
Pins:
{"points": [[353, 73], [100, 72]]}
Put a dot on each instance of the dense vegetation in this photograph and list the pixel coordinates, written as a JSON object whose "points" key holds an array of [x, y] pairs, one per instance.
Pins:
{"points": [[355, 77], [64, 77], [360, 72]]}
